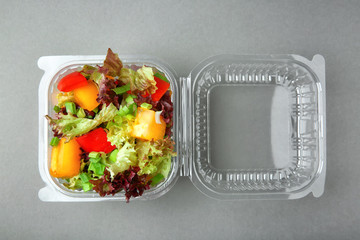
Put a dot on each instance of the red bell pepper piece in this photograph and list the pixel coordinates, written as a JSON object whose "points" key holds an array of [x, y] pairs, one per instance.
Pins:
{"points": [[162, 87], [95, 141], [72, 81]]}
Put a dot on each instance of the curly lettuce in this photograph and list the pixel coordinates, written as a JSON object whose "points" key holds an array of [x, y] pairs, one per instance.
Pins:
{"points": [[125, 158], [119, 131], [64, 97], [112, 63], [155, 156], [140, 80], [69, 126]]}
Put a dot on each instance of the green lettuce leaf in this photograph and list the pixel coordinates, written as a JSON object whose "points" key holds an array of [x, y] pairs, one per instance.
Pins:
{"points": [[112, 63], [119, 131], [74, 183], [164, 166], [141, 80], [64, 97], [155, 156], [97, 77], [125, 158], [69, 126], [87, 70]]}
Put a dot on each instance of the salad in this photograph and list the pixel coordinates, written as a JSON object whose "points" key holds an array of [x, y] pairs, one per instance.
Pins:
{"points": [[112, 129]]}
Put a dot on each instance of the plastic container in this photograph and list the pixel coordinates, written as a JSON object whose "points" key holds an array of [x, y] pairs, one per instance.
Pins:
{"points": [[245, 127]]}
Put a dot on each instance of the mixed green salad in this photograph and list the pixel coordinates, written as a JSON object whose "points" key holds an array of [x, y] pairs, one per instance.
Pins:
{"points": [[112, 129]]}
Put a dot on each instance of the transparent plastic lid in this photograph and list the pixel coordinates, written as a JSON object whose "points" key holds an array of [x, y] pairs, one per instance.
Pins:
{"points": [[244, 126], [254, 126]]}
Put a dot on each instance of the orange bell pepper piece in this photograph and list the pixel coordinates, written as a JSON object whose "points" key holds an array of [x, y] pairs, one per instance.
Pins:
{"points": [[86, 96], [65, 159], [145, 126]]}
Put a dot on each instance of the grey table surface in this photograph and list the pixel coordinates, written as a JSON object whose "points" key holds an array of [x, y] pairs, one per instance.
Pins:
{"points": [[182, 33]]}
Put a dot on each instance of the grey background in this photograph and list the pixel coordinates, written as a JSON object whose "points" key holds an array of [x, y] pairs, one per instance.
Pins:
{"points": [[182, 33]]}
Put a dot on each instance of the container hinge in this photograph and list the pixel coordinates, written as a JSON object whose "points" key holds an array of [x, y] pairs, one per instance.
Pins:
{"points": [[185, 134]]}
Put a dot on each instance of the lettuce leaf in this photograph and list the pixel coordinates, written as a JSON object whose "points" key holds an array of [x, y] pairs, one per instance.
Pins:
{"points": [[87, 70], [112, 63], [125, 158], [119, 132], [133, 184], [106, 94], [97, 77], [155, 156], [74, 183], [69, 126], [64, 97], [140, 80], [164, 166]]}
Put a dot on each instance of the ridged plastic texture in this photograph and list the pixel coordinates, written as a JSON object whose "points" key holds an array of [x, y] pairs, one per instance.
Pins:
{"points": [[287, 158], [55, 68]]}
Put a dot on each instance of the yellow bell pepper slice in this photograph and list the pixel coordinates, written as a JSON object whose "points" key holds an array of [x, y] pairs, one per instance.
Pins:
{"points": [[146, 127], [65, 159], [86, 96]]}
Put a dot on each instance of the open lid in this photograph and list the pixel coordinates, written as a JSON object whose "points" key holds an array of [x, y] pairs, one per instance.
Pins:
{"points": [[254, 126]]}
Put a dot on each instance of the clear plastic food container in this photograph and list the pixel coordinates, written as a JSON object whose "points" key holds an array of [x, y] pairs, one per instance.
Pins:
{"points": [[245, 126]]}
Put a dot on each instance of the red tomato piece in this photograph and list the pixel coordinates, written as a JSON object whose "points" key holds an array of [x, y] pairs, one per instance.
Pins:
{"points": [[95, 141], [72, 81]]}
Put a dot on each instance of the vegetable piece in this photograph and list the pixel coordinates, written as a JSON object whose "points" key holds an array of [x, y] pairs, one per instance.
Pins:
{"points": [[122, 89], [161, 76], [70, 107], [97, 167], [123, 111], [72, 81], [155, 156], [130, 99], [95, 160], [74, 182], [96, 77], [155, 180], [81, 113], [146, 105], [64, 97], [145, 126], [113, 155], [94, 155], [65, 159], [54, 141], [164, 104], [140, 80], [119, 132], [70, 126], [157, 117], [87, 71], [112, 63], [87, 186], [106, 94], [95, 141], [86, 96], [162, 87], [57, 109], [125, 158], [129, 181], [84, 177]]}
